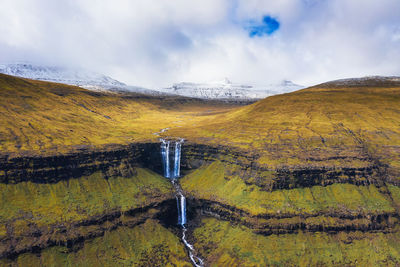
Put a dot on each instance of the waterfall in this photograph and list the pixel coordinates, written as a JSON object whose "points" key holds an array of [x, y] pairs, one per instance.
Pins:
{"points": [[167, 174], [181, 201], [180, 198], [174, 174], [177, 163], [165, 155]]}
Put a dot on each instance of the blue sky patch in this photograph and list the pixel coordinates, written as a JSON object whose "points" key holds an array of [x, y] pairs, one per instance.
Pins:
{"points": [[267, 26]]}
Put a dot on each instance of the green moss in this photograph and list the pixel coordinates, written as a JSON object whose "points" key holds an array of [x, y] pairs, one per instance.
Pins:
{"points": [[225, 245], [148, 244], [395, 193], [78, 199], [211, 183], [3, 231]]}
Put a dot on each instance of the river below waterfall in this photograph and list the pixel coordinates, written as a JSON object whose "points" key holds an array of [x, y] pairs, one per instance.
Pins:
{"points": [[173, 174]]}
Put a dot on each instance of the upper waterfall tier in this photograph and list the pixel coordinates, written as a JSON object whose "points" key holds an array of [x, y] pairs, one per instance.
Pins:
{"points": [[166, 158]]}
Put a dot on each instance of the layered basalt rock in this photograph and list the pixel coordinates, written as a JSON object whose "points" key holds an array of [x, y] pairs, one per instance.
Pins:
{"points": [[120, 160], [121, 192], [71, 234], [355, 168], [291, 223], [112, 160], [371, 171]]}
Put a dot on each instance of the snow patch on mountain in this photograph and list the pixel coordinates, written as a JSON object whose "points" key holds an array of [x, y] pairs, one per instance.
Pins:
{"points": [[230, 91], [221, 90], [59, 74], [83, 78]]}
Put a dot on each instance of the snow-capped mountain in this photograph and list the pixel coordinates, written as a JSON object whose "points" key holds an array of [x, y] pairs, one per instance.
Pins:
{"points": [[83, 78], [59, 74], [230, 91], [222, 90]]}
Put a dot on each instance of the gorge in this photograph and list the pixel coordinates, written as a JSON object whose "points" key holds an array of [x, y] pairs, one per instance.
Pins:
{"points": [[306, 178]]}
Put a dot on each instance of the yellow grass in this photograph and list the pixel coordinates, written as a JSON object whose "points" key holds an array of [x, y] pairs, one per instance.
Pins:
{"points": [[38, 116]]}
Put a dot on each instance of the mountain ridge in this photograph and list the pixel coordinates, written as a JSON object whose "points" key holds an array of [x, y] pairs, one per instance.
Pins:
{"points": [[367, 81], [58, 74], [227, 90]]}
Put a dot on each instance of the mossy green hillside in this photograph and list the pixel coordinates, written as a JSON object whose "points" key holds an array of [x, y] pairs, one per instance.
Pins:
{"points": [[224, 244], [214, 182], [148, 244], [395, 194], [77, 200]]}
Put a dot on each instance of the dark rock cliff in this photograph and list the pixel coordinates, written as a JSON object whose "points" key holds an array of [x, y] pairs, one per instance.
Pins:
{"points": [[288, 223], [283, 177], [112, 160], [119, 160]]}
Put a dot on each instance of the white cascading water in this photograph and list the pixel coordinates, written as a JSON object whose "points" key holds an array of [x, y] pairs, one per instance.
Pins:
{"points": [[165, 157], [180, 198], [177, 162], [181, 201]]}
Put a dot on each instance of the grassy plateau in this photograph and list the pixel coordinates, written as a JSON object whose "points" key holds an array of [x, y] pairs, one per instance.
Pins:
{"points": [[42, 116]]}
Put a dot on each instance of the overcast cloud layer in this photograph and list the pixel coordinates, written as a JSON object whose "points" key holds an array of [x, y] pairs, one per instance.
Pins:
{"points": [[154, 43]]}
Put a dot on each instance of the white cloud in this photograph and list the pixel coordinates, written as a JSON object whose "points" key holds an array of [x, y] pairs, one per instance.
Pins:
{"points": [[155, 43]]}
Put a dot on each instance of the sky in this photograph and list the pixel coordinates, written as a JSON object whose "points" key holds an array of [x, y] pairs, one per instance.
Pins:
{"points": [[154, 43]]}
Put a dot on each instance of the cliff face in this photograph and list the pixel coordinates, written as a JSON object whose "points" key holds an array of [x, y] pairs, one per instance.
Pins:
{"points": [[245, 163], [119, 192], [111, 160], [120, 160]]}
